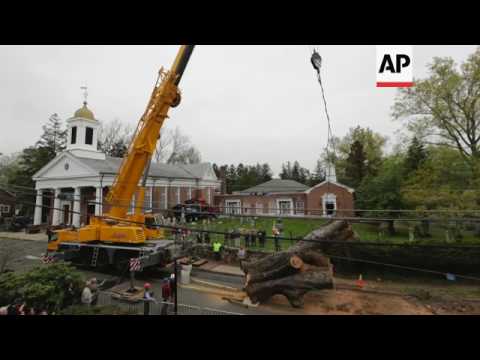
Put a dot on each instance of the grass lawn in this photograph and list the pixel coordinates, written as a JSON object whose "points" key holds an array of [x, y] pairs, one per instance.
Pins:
{"points": [[297, 228]]}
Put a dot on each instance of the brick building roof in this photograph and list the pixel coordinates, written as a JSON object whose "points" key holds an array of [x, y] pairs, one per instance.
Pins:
{"points": [[276, 186]]}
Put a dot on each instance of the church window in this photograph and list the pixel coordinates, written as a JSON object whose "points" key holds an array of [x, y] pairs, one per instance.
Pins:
{"points": [[89, 136], [73, 139]]}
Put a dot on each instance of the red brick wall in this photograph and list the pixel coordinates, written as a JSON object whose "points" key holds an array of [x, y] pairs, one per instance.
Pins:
{"points": [[344, 199], [268, 203]]}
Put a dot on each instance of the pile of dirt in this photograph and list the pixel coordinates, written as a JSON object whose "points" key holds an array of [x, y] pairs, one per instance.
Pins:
{"points": [[349, 302]]}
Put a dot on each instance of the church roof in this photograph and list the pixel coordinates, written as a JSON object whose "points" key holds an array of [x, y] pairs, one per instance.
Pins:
{"points": [[84, 112], [111, 165]]}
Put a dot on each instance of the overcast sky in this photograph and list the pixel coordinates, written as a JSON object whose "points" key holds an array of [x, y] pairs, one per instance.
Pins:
{"points": [[248, 104]]}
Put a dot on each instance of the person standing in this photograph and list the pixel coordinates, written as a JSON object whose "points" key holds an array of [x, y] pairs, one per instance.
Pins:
{"points": [[276, 235], [147, 298], [261, 238], [253, 238], [217, 245], [87, 296], [242, 254]]}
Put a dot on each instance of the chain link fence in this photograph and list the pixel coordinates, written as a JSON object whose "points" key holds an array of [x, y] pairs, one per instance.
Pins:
{"points": [[156, 308]]}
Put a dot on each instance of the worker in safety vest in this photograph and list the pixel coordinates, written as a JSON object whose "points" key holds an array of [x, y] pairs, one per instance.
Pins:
{"points": [[217, 245]]}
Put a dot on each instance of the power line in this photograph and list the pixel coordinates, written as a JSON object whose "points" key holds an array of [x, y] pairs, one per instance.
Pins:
{"points": [[196, 230], [352, 219], [33, 192], [326, 242]]}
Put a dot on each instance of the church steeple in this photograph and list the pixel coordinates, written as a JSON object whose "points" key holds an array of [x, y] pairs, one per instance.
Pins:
{"points": [[83, 132], [331, 174]]}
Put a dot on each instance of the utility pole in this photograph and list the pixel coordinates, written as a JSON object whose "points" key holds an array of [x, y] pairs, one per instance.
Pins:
{"points": [[175, 287]]}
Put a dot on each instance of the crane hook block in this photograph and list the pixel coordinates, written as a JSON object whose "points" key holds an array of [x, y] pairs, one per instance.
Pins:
{"points": [[177, 100], [316, 60]]}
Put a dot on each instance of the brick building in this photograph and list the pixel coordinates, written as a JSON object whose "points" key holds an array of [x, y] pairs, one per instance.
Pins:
{"points": [[72, 186], [288, 197], [7, 204]]}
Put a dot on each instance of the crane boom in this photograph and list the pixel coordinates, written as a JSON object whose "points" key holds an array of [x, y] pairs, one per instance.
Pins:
{"points": [[164, 96]]}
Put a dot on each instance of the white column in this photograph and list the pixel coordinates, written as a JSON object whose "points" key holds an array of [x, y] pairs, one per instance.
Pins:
{"points": [[98, 201], [178, 195], [190, 193], [57, 213], [37, 219], [165, 192], [76, 207]]}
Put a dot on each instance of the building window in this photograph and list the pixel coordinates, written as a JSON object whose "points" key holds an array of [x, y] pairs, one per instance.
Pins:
{"points": [[284, 207], [148, 205], [89, 136], [300, 208], [258, 208], [271, 208], [233, 207], [4, 209], [73, 138]]}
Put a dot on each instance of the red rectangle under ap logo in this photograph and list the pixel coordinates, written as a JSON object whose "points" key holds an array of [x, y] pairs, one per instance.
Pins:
{"points": [[394, 66]]}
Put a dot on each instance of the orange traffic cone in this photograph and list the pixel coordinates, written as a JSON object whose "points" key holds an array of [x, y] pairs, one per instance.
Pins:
{"points": [[360, 283]]}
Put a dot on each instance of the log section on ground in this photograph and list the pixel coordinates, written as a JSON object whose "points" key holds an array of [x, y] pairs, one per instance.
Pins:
{"points": [[296, 271]]}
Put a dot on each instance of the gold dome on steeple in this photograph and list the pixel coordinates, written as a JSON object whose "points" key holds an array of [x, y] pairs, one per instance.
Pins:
{"points": [[84, 112]]}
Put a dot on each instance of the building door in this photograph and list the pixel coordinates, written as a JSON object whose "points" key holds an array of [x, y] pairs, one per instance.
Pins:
{"points": [[285, 207], [66, 214], [330, 208], [90, 212]]}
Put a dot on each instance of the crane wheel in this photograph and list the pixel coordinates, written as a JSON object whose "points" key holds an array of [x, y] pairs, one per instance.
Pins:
{"points": [[177, 101]]}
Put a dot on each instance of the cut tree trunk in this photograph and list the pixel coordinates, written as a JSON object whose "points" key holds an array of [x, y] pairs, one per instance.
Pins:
{"points": [[296, 271]]}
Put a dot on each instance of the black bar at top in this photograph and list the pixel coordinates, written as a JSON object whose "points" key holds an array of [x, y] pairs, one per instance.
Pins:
{"points": [[183, 62]]}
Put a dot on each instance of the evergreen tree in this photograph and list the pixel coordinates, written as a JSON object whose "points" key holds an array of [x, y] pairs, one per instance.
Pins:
{"points": [[416, 155], [54, 138], [266, 173], [317, 176], [286, 171], [355, 169]]}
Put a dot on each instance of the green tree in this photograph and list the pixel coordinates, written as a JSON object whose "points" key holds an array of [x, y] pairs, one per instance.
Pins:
{"points": [[266, 173], [443, 181], [318, 175], [383, 191], [43, 287], [416, 155], [295, 172], [444, 107], [356, 165], [54, 137], [372, 144], [33, 158]]}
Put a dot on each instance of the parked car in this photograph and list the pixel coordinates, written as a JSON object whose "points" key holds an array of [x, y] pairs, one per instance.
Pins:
{"points": [[194, 210], [18, 223]]}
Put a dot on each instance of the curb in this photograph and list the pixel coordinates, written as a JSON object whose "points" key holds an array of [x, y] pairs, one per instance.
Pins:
{"points": [[6, 237], [214, 285], [218, 273]]}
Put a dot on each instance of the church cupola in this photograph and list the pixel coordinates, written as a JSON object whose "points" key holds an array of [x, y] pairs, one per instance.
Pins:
{"points": [[83, 134], [330, 175]]}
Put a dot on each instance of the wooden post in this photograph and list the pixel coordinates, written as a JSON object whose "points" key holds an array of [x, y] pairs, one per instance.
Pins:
{"points": [[132, 279], [175, 287]]}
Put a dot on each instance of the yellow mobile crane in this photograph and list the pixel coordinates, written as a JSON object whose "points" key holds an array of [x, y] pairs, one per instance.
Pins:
{"points": [[117, 236]]}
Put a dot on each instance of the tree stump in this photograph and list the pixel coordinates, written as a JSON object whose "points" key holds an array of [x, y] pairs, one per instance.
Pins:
{"points": [[296, 271]]}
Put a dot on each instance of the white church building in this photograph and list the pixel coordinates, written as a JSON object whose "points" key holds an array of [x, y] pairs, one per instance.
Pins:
{"points": [[72, 186]]}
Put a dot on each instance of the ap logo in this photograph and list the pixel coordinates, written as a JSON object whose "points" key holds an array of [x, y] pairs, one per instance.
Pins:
{"points": [[394, 66]]}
